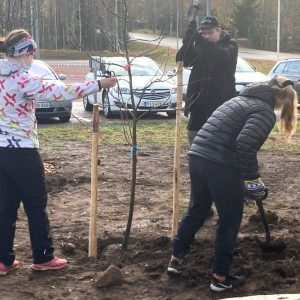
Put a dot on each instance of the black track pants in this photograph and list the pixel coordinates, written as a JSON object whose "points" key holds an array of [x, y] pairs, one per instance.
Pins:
{"points": [[22, 179], [224, 186]]}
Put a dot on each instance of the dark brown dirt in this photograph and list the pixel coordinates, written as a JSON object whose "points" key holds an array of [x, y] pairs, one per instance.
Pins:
{"points": [[143, 265]]}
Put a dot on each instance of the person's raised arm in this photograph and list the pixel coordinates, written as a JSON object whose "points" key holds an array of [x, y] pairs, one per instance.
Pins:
{"points": [[37, 89]]}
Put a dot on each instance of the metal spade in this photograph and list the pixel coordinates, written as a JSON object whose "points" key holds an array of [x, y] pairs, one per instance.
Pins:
{"points": [[268, 245]]}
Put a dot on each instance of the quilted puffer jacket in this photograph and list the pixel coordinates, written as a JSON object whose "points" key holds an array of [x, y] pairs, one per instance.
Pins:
{"points": [[237, 129]]}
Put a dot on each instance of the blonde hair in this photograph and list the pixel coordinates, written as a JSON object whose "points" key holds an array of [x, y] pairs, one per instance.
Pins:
{"points": [[12, 39], [287, 101]]}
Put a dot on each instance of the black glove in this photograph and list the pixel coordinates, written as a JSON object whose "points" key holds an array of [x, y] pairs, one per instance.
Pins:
{"points": [[255, 189], [189, 34]]}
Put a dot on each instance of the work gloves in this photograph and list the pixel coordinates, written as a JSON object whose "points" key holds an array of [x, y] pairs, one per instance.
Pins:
{"points": [[191, 36], [255, 189], [190, 33]]}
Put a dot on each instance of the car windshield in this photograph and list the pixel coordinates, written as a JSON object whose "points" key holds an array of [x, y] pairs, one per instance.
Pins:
{"points": [[145, 68], [42, 71], [243, 66]]}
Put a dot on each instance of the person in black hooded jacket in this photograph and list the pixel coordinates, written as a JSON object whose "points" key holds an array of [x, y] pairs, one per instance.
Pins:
{"points": [[213, 56], [223, 166]]}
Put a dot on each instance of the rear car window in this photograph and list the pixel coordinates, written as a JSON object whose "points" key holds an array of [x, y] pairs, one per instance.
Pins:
{"points": [[293, 68], [280, 68]]}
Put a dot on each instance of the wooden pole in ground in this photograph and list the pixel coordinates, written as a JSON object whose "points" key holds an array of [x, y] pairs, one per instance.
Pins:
{"points": [[94, 184], [176, 170]]}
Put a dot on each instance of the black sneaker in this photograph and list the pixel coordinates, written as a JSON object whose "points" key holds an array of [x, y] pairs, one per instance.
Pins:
{"points": [[174, 268], [229, 283]]}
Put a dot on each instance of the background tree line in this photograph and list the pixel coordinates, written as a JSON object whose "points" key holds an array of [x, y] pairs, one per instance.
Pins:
{"points": [[93, 24]]}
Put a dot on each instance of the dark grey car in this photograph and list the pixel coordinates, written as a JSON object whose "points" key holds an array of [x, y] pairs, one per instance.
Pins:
{"points": [[50, 109]]}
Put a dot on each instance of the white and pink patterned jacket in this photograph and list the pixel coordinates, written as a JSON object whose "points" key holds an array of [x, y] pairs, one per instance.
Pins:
{"points": [[18, 93]]}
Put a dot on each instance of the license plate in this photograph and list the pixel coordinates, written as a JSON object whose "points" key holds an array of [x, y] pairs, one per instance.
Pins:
{"points": [[153, 103], [42, 105]]}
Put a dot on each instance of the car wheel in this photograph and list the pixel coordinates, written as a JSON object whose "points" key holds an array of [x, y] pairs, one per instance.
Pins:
{"points": [[106, 105], [86, 104], [64, 119], [171, 114]]}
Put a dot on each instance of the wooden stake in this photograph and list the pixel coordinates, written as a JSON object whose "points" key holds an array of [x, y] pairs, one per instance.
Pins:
{"points": [[176, 170], [94, 184]]}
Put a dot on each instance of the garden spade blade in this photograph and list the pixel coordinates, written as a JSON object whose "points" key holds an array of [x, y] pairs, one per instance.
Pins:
{"points": [[267, 245]]}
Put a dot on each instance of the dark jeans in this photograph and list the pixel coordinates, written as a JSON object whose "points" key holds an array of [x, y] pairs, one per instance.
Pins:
{"points": [[223, 184], [22, 178]]}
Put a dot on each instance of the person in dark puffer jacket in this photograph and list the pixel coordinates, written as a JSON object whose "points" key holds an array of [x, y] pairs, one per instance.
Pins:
{"points": [[223, 166], [212, 54]]}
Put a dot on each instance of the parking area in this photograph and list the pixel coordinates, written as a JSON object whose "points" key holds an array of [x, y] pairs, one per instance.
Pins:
{"points": [[75, 71]]}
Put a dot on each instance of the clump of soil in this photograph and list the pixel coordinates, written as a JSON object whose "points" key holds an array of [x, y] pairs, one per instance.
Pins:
{"points": [[271, 217]]}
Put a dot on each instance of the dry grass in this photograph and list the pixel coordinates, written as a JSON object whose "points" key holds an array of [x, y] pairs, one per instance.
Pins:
{"points": [[162, 55], [261, 65]]}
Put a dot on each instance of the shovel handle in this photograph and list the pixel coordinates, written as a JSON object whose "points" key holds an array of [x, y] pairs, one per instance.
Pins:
{"points": [[263, 219]]}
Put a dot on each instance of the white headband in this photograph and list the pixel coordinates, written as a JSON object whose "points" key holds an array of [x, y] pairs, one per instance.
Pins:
{"points": [[25, 46]]}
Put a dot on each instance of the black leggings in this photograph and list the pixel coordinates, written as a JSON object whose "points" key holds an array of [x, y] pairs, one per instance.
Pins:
{"points": [[22, 178], [223, 185]]}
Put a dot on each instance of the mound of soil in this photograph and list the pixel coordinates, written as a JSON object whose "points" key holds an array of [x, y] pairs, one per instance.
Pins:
{"points": [[143, 265]]}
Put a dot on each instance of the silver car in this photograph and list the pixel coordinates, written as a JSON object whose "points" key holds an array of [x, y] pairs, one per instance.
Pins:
{"points": [[153, 90], [50, 109], [244, 74], [289, 68]]}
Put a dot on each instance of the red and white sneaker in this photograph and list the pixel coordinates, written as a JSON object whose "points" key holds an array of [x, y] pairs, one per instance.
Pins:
{"points": [[5, 269], [54, 264]]}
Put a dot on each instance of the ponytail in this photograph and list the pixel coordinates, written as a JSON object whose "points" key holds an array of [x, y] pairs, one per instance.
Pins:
{"points": [[286, 100], [3, 46]]}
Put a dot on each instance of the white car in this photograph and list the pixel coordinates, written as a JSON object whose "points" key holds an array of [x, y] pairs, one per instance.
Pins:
{"points": [[50, 109], [153, 90], [244, 75]]}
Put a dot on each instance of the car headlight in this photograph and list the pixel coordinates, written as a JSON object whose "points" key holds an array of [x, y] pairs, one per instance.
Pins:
{"points": [[122, 90], [173, 90]]}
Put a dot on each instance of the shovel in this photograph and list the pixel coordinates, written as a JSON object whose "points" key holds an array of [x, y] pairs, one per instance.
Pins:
{"points": [[267, 245], [193, 10]]}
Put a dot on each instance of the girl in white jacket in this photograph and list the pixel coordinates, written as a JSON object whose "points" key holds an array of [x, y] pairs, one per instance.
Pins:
{"points": [[22, 176]]}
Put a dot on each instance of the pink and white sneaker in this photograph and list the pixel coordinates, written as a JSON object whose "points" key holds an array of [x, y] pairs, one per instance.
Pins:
{"points": [[54, 264], [5, 269]]}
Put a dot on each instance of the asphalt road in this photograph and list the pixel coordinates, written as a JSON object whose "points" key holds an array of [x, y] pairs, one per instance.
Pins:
{"points": [[80, 115], [171, 42], [70, 63]]}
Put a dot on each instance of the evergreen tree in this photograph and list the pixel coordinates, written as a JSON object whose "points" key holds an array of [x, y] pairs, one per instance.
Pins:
{"points": [[245, 17]]}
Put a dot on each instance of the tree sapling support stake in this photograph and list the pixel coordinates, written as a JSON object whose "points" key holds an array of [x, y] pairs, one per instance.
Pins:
{"points": [[176, 170], [94, 184]]}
